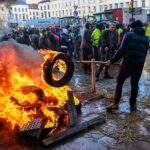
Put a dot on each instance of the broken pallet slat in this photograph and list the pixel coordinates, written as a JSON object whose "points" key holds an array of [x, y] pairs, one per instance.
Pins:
{"points": [[73, 130], [72, 112]]}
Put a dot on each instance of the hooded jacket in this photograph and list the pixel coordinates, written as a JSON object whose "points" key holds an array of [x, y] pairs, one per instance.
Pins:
{"points": [[53, 30], [133, 48]]}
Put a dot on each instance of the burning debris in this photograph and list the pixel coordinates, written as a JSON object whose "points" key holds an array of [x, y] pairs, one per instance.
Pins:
{"points": [[24, 96]]}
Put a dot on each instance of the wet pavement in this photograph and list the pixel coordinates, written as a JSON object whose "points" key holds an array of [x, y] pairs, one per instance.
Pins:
{"points": [[123, 130]]}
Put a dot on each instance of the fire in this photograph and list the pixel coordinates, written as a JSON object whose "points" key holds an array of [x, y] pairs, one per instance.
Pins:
{"points": [[20, 101]]}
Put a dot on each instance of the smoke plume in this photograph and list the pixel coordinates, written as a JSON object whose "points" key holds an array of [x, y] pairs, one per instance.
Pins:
{"points": [[21, 57]]}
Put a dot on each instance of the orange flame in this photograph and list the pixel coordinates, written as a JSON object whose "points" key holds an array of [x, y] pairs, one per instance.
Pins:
{"points": [[15, 105]]}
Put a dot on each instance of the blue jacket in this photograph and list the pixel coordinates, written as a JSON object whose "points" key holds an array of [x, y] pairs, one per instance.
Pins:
{"points": [[133, 48]]}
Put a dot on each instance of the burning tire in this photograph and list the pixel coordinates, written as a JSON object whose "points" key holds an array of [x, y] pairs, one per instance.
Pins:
{"points": [[48, 71], [39, 96]]}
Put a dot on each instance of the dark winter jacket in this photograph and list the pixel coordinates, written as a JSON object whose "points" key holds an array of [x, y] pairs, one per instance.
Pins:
{"points": [[86, 40], [35, 38], [64, 41], [133, 48], [108, 41], [45, 43]]}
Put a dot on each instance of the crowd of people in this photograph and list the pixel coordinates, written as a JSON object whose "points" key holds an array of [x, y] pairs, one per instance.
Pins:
{"points": [[99, 41]]}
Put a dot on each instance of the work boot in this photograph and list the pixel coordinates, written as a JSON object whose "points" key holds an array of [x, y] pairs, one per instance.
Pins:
{"points": [[112, 106], [133, 108]]}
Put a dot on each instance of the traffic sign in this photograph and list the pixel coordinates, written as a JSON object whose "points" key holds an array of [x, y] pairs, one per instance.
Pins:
{"points": [[75, 13]]}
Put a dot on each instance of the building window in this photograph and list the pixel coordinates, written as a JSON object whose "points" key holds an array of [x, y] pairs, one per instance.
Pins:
{"points": [[45, 14], [105, 7], [37, 13], [48, 7], [135, 4], [110, 6], [127, 4], [116, 5], [15, 9], [26, 9], [70, 12], [100, 8], [22, 9], [67, 12], [16, 16], [19, 9], [94, 8], [49, 14], [41, 8], [42, 16], [44, 7], [143, 3], [121, 5], [89, 9], [63, 12], [23, 17]]}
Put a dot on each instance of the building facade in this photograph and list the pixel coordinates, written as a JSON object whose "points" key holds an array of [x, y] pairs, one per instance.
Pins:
{"points": [[62, 8], [4, 11], [109, 4], [33, 11], [20, 13]]}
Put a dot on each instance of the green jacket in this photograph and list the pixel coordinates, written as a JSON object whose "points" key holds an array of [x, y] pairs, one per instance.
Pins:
{"points": [[96, 34], [148, 31], [120, 31]]}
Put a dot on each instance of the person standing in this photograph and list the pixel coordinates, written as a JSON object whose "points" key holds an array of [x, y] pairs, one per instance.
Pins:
{"points": [[133, 50], [54, 38], [148, 31], [109, 42], [64, 41], [96, 35], [44, 41], [86, 46]]}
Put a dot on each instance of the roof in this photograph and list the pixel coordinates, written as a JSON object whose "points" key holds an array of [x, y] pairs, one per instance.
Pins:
{"points": [[44, 1], [33, 6]]}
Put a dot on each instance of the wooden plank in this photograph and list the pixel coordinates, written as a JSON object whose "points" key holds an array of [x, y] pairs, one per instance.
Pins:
{"points": [[73, 130], [72, 112]]}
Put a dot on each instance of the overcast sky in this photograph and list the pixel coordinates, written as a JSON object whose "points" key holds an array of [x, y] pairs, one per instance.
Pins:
{"points": [[32, 1]]}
